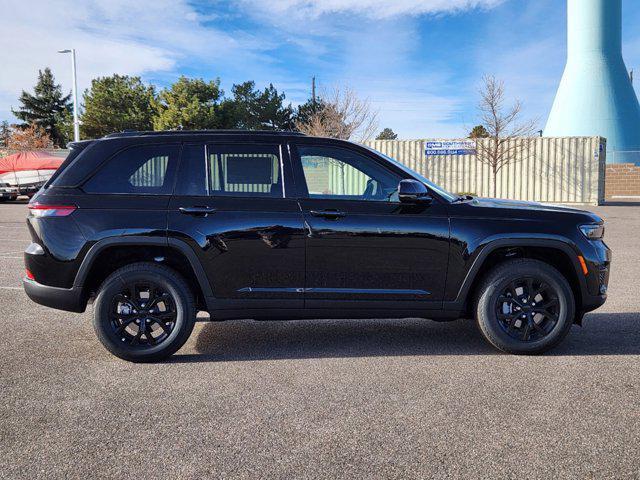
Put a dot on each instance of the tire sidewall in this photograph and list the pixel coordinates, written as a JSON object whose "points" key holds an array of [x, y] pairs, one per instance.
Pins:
{"points": [[113, 342], [489, 323]]}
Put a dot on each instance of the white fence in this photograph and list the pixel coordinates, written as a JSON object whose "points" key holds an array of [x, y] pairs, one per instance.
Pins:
{"points": [[557, 170]]}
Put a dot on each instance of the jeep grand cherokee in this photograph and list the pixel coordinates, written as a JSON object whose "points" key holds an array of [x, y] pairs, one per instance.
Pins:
{"points": [[156, 226]]}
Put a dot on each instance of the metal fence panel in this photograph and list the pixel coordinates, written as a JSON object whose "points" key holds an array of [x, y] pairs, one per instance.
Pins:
{"points": [[558, 170], [151, 173], [218, 172]]}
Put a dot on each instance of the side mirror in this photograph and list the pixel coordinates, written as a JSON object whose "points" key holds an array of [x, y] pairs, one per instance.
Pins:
{"points": [[412, 191]]}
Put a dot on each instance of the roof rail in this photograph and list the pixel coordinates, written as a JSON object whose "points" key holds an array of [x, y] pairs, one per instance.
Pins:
{"points": [[79, 144], [135, 133]]}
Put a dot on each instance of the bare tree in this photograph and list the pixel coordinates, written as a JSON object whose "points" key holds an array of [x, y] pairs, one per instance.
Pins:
{"points": [[342, 115], [508, 138], [32, 137]]}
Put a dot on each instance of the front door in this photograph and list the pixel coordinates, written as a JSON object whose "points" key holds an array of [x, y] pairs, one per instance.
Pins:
{"points": [[365, 249], [230, 206]]}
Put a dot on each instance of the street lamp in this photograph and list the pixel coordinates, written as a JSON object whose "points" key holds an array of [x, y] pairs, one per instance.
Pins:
{"points": [[76, 122]]}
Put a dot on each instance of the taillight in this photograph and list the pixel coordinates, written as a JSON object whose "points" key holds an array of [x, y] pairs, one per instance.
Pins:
{"points": [[29, 275], [39, 210]]}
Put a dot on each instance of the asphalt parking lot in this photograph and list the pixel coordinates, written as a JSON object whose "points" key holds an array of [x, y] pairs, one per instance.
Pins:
{"points": [[321, 399]]}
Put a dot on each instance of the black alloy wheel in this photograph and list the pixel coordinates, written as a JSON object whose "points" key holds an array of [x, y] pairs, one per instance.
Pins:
{"points": [[528, 309], [143, 314], [524, 306]]}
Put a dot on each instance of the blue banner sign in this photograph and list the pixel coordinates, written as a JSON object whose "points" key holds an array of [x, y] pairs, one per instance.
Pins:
{"points": [[459, 147]]}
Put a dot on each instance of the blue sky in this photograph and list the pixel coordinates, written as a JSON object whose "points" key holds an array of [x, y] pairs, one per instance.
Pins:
{"points": [[419, 62]]}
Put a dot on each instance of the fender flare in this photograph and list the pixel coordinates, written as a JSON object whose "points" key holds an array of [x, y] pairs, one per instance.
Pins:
{"points": [[566, 247], [141, 241]]}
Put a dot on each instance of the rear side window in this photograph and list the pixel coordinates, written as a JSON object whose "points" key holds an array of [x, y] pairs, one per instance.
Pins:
{"points": [[144, 170], [76, 150], [244, 170]]}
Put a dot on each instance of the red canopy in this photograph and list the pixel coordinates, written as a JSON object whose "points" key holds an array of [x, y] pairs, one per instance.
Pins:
{"points": [[21, 161]]}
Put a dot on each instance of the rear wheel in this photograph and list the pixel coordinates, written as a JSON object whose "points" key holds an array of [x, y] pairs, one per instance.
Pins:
{"points": [[525, 306], [144, 312]]}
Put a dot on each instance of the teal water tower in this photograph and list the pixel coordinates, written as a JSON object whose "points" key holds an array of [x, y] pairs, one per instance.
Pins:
{"points": [[596, 96]]}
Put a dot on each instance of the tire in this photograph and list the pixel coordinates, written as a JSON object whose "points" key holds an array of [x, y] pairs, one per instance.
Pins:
{"points": [[514, 322], [137, 331]]}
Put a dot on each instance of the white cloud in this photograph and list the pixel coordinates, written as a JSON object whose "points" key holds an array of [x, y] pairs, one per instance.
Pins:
{"points": [[371, 8], [159, 39], [381, 61], [114, 36], [415, 113]]}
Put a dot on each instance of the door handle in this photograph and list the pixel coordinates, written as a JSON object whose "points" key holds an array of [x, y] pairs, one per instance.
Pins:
{"points": [[197, 210], [328, 213]]}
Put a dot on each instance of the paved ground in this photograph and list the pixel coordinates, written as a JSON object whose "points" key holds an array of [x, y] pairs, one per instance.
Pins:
{"points": [[330, 399]]}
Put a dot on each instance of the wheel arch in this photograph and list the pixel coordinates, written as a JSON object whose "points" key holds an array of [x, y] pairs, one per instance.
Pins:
{"points": [[109, 254], [557, 253]]}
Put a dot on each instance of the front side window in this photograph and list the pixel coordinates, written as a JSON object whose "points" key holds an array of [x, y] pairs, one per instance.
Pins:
{"points": [[244, 170], [342, 174], [145, 169]]}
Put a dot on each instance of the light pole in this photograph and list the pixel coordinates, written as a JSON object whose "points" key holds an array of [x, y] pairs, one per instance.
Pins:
{"points": [[76, 122]]}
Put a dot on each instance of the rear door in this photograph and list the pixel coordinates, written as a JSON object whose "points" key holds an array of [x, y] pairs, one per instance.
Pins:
{"points": [[230, 205], [129, 193], [124, 194], [365, 249]]}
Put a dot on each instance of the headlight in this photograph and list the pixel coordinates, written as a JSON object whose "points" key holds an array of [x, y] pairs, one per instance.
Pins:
{"points": [[592, 232]]}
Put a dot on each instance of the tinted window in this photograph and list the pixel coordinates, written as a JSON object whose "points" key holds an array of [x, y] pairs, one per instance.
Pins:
{"points": [[192, 177], [147, 169], [339, 173], [73, 154], [245, 170]]}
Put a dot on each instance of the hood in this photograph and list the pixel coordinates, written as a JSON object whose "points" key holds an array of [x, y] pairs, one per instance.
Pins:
{"points": [[514, 206]]}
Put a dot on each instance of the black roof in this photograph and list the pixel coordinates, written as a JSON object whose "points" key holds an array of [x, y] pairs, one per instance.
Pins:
{"points": [[134, 133]]}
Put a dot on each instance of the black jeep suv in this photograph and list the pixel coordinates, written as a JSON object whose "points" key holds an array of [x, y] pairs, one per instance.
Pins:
{"points": [[156, 226]]}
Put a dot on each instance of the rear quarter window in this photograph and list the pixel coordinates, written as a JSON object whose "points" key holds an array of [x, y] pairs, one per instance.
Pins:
{"points": [[143, 170], [56, 178]]}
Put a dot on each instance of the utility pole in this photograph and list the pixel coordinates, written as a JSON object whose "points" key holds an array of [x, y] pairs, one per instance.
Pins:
{"points": [[313, 90], [631, 76], [74, 91]]}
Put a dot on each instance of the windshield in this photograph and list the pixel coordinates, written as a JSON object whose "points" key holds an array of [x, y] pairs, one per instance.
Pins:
{"points": [[439, 190]]}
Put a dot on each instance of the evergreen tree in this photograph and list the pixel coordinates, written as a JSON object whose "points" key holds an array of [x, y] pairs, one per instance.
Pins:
{"points": [[307, 110], [387, 134], [45, 107], [5, 133], [479, 132], [64, 125], [191, 104], [252, 109], [117, 103]]}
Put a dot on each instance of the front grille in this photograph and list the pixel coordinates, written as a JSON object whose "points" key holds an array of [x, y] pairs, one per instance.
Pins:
{"points": [[603, 278]]}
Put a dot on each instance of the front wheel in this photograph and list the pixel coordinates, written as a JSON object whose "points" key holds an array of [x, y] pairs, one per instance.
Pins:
{"points": [[525, 306], [144, 312]]}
